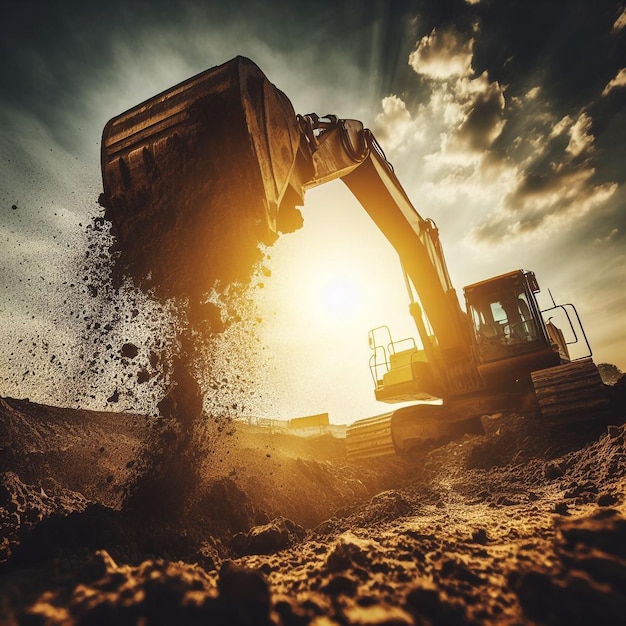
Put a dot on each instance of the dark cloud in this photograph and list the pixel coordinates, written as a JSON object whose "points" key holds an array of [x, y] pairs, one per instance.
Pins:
{"points": [[50, 53], [572, 52], [484, 119], [565, 126], [557, 183], [569, 48]]}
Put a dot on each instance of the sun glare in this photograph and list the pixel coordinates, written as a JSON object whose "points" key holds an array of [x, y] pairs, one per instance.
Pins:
{"points": [[328, 284], [340, 296]]}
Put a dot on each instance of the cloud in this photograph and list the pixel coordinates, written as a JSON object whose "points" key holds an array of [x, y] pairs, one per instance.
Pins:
{"points": [[394, 126], [533, 93], [526, 162], [556, 183], [549, 213], [581, 139], [483, 116], [556, 170], [620, 22], [444, 54], [618, 81], [539, 191], [561, 126], [544, 202]]}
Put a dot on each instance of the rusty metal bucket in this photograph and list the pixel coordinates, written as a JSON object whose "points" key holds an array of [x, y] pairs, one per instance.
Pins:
{"points": [[194, 178]]}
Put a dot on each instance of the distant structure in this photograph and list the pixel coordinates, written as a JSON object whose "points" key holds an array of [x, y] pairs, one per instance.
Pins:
{"points": [[311, 424]]}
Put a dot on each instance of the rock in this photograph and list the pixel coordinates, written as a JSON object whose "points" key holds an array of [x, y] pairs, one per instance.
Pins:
{"points": [[602, 567], [492, 423], [561, 508], [607, 499], [589, 586], [605, 530], [350, 551], [244, 595], [341, 584], [129, 350], [554, 469], [454, 568], [272, 537], [574, 598], [480, 536], [427, 602]]}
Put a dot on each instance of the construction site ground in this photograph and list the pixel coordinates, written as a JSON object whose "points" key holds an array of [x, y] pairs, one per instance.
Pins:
{"points": [[112, 518]]}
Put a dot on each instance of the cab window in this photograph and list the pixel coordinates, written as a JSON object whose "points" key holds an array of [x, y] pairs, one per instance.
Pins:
{"points": [[502, 323]]}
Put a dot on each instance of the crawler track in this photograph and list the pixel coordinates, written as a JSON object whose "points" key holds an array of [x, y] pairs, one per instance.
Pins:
{"points": [[571, 393]]}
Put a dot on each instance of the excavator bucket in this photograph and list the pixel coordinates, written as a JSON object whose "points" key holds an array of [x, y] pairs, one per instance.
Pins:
{"points": [[195, 176]]}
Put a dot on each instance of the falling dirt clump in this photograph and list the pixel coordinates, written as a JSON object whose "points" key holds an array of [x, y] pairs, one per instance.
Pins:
{"points": [[129, 350], [168, 473], [166, 308]]}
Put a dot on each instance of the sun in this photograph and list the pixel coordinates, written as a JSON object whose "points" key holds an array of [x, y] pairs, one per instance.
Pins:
{"points": [[340, 296]]}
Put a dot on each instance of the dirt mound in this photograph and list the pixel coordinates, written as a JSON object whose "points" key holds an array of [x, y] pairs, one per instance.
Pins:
{"points": [[282, 530], [156, 474], [22, 507], [586, 584], [160, 593], [89, 452]]}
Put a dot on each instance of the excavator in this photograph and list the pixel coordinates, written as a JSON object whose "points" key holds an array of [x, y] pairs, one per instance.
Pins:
{"points": [[222, 159]]}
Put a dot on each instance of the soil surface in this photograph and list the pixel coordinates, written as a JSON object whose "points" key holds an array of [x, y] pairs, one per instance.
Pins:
{"points": [[117, 518]]}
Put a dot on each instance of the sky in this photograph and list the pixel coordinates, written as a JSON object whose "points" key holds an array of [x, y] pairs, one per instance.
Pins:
{"points": [[505, 123]]}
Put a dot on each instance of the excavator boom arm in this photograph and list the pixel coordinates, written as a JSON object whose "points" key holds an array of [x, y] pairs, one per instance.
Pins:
{"points": [[345, 149]]}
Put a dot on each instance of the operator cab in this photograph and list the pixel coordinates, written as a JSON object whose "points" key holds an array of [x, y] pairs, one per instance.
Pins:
{"points": [[509, 335]]}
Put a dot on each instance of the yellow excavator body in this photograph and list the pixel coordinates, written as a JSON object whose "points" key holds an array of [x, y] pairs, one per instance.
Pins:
{"points": [[222, 158]]}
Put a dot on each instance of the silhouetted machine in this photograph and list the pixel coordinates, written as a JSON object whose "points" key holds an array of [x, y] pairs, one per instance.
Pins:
{"points": [[227, 142]]}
